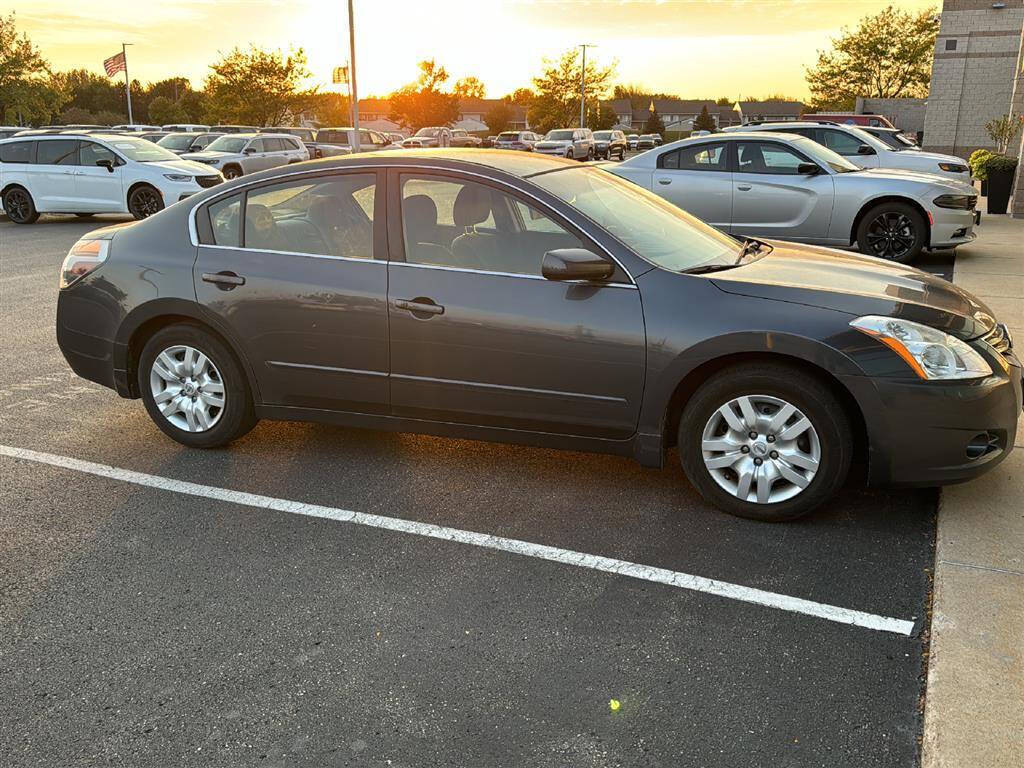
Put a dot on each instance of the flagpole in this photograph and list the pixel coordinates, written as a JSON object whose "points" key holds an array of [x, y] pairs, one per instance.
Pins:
{"points": [[352, 77], [127, 83]]}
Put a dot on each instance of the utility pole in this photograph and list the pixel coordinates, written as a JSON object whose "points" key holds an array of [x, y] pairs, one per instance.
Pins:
{"points": [[583, 84], [352, 76], [127, 82]]}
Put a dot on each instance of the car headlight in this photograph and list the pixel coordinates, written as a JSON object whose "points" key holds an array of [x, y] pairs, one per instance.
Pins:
{"points": [[83, 258], [177, 177], [953, 167], [932, 354], [962, 202]]}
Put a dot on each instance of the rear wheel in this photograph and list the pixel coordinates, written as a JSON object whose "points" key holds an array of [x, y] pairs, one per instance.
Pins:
{"points": [[569, 154], [144, 201], [19, 207], [893, 231], [232, 172], [766, 442]]}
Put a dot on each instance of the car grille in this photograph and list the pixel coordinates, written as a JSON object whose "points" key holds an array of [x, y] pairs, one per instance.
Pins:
{"points": [[999, 339], [208, 181]]}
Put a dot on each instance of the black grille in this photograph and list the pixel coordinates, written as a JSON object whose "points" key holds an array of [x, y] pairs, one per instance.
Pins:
{"points": [[999, 339], [208, 181]]}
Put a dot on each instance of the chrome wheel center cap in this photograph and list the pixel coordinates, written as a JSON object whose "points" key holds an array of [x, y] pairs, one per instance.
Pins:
{"points": [[190, 388], [759, 449]]}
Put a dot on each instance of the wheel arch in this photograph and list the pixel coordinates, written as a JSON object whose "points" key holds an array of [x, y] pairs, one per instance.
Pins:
{"points": [[15, 185], [141, 183], [868, 205]]}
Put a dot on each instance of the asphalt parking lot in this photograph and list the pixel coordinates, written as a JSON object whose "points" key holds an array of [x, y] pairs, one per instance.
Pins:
{"points": [[149, 626]]}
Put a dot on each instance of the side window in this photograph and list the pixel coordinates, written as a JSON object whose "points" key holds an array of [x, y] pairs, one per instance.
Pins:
{"points": [[224, 220], [58, 152], [702, 157], [766, 157], [92, 154], [256, 145], [365, 139], [274, 145], [490, 231], [18, 152], [326, 216], [839, 142]]}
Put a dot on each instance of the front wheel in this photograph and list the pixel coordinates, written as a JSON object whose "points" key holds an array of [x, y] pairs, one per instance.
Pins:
{"points": [[766, 442], [144, 201], [232, 172], [19, 207], [569, 155], [893, 231]]}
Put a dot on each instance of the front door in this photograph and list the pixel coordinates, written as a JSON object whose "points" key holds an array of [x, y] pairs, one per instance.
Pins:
{"points": [[772, 198], [290, 268], [847, 145], [53, 175], [478, 336], [697, 179], [98, 187]]}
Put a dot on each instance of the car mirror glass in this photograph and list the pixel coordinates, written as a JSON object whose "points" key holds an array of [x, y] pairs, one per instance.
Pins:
{"points": [[575, 264]]}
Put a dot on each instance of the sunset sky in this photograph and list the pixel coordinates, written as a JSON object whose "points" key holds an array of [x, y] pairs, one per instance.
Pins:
{"points": [[695, 48]]}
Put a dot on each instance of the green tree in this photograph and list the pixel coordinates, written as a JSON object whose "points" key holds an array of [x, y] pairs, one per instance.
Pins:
{"points": [[77, 116], [556, 103], [602, 118], [498, 117], [28, 92], [423, 103], [654, 124], [163, 111], [1002, 130], [704, 121], [95, 93], [470, 88], [639, 97], [331, 109], [724, 101], [889, 55], [257, 87]]}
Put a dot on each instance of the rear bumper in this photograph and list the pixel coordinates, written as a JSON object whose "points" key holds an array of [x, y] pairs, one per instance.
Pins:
{"points": [[83, 340]]}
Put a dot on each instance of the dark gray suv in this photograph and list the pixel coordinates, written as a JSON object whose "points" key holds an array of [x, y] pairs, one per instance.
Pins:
{"points": [[515, 297]]}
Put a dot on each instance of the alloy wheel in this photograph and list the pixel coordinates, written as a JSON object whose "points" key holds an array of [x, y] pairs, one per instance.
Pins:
{"points": [[187, 388], [891, 235], [18, 206], [761, 449], [144, 202]]}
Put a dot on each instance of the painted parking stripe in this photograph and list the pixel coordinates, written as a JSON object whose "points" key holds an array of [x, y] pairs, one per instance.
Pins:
{"points": [[515, 546]]}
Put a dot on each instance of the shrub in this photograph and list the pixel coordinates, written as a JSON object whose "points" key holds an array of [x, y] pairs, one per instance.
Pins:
{"points": [[976, 159], [995, 164]]}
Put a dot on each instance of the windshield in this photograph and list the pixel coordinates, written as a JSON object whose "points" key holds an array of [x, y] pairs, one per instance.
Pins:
{"points": [[177, 141], [431, 132], [867, 138], [508, 136], [140, 150], [602, 134], [228, 144], [559, 136], [657, 230], [823, 155]]}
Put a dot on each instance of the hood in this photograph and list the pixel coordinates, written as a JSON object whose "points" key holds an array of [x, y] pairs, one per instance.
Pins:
{"points": [[554, 143], [207, 155], [921, 177], [185, 165], [923, 155], [858, 285]]}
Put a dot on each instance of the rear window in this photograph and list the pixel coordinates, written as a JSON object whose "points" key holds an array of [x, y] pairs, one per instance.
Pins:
{"points": [[18, 152], [59, 152], [508, 136]]}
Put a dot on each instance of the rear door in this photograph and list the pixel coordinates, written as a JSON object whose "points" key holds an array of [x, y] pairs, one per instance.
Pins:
{"points": [[53, 175], [99, 188], [773, 199], [698, 179]]}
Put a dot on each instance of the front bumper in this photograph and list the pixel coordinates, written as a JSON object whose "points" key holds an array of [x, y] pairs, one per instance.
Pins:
{"points": [[952, 227], [936, 433]]}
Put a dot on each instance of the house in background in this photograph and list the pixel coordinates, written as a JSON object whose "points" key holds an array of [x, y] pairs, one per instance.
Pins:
{"points": [[677, 114], [768, 111], [376, 114]]}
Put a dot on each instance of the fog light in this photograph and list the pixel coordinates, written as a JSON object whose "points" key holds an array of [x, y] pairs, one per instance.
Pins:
{"points": [[983, 444]]}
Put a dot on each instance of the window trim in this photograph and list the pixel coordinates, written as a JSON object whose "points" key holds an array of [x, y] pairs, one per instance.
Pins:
{"points": [[660, 162]]}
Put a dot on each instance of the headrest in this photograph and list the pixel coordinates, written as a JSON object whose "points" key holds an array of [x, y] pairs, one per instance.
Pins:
{"points": [[472, 206], [420, 209]]}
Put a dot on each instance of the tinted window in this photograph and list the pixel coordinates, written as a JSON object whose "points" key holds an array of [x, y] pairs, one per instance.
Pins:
{"points": [[274, 145], [224, 218], [230, 144], [93, 154], [472, 226], [256, 145], [330, 216], [18, 152], [60, 152], [765, 157], [702, 157], [839, 142], [333, 137]]}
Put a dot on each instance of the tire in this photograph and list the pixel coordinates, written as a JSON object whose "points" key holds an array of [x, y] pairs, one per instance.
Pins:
{"points": [[144, 201], [19, 206], [569, 154], [893, 231], [236, 414], [622, 155], [232, 172], [703, 431]]}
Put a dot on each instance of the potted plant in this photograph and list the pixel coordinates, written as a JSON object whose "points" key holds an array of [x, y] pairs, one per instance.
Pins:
{"points": [[998, 171], [974, 162]]}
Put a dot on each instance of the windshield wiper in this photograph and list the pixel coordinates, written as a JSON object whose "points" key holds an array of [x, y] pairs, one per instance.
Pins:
{"points": [[750, 247], [701, 269]]}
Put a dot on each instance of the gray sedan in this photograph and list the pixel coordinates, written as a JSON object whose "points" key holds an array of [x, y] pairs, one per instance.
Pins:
{"points": [[789, 187]]}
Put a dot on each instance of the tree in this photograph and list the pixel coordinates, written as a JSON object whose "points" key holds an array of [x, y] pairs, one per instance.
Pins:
{"points": [[470, 88], [889, 55], [257, 87], [704, 121], [639, 97], [1002, 130], [602, 118], [498, 117], [163, 111], [27, 90], [724, 101], [331, 109], [557, 100], [95, 93], [423, 103], [521, 96], [655, 124]]}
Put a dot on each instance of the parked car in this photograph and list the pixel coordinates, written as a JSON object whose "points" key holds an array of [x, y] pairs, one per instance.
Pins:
{"points": [[93, 173], [183, 143], [573, 143], [609, 144], [134, 128], [6, 131], [396, 138], [489, 141], [632, 140], [242, 153], [340, 141], [186, 128], [647, 141], [561, 306], [867, 151], [894, 138], [153, 136], [849, 118], [522, 140], [305, 135], [434, 136], [462, 138], [234, 128], [780, 185]]}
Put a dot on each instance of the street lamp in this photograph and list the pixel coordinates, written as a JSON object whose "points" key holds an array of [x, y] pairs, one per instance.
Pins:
{"points": [[583, 83]]}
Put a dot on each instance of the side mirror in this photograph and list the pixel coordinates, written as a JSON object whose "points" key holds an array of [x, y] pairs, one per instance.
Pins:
{"points": [[575, 264], [808, 169], [108, 164], [249, 151], [865, 149]]}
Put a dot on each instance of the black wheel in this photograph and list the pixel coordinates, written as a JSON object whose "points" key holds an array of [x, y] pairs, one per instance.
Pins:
{"points": [[194, 388], [893, 231], [232, 172], [766, 442], [19, 207], [144, 201], [622, 154], [569, 155], [590, 154]]}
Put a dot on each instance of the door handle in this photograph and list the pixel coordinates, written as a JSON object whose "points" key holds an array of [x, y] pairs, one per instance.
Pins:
{"points": [[223, 280], [743, 187], [664, 181], [426, 306]]}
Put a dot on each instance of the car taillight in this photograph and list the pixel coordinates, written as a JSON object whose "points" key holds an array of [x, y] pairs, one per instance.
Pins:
{"points": [[83, 258]]}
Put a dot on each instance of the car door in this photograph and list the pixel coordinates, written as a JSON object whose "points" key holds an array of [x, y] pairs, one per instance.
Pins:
{"points": [[97, 186], [772, 198], [698, 179], [847, 145], [478, 336], [53, 175], [255, 156], [302, 284]]}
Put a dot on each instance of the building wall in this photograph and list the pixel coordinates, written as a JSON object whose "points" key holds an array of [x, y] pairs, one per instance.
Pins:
{"points": [[973, 72], [906, 114]]}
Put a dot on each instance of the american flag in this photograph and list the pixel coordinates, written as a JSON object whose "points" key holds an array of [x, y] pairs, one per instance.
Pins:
{"points": [[114, 64]]}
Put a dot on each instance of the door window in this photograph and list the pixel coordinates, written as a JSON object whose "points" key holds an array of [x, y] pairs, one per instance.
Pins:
{"points": [[18, 152], [273, 145], [702, 157], [224, 220], [331, 216], [256, 145], [60, 152], [766, 157], [839, 142], [468, 225], [91, 154]]}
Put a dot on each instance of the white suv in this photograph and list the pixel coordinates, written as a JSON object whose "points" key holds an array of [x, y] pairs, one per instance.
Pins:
{"points": [[93, 173], [867, 151], [237, 154]]}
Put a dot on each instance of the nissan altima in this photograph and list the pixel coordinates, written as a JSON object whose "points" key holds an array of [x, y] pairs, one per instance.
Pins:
{"points": [[516, 297]]}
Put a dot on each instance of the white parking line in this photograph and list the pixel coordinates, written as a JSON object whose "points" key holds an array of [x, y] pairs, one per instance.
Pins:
{"points": [[515, 546]]}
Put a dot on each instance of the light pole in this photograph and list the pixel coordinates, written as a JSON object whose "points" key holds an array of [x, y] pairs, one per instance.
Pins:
{"points": [[583, 84], [352, 76]]}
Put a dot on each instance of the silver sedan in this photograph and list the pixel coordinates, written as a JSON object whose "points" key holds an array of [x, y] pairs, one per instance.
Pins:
{"points": [[775, 185]]}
